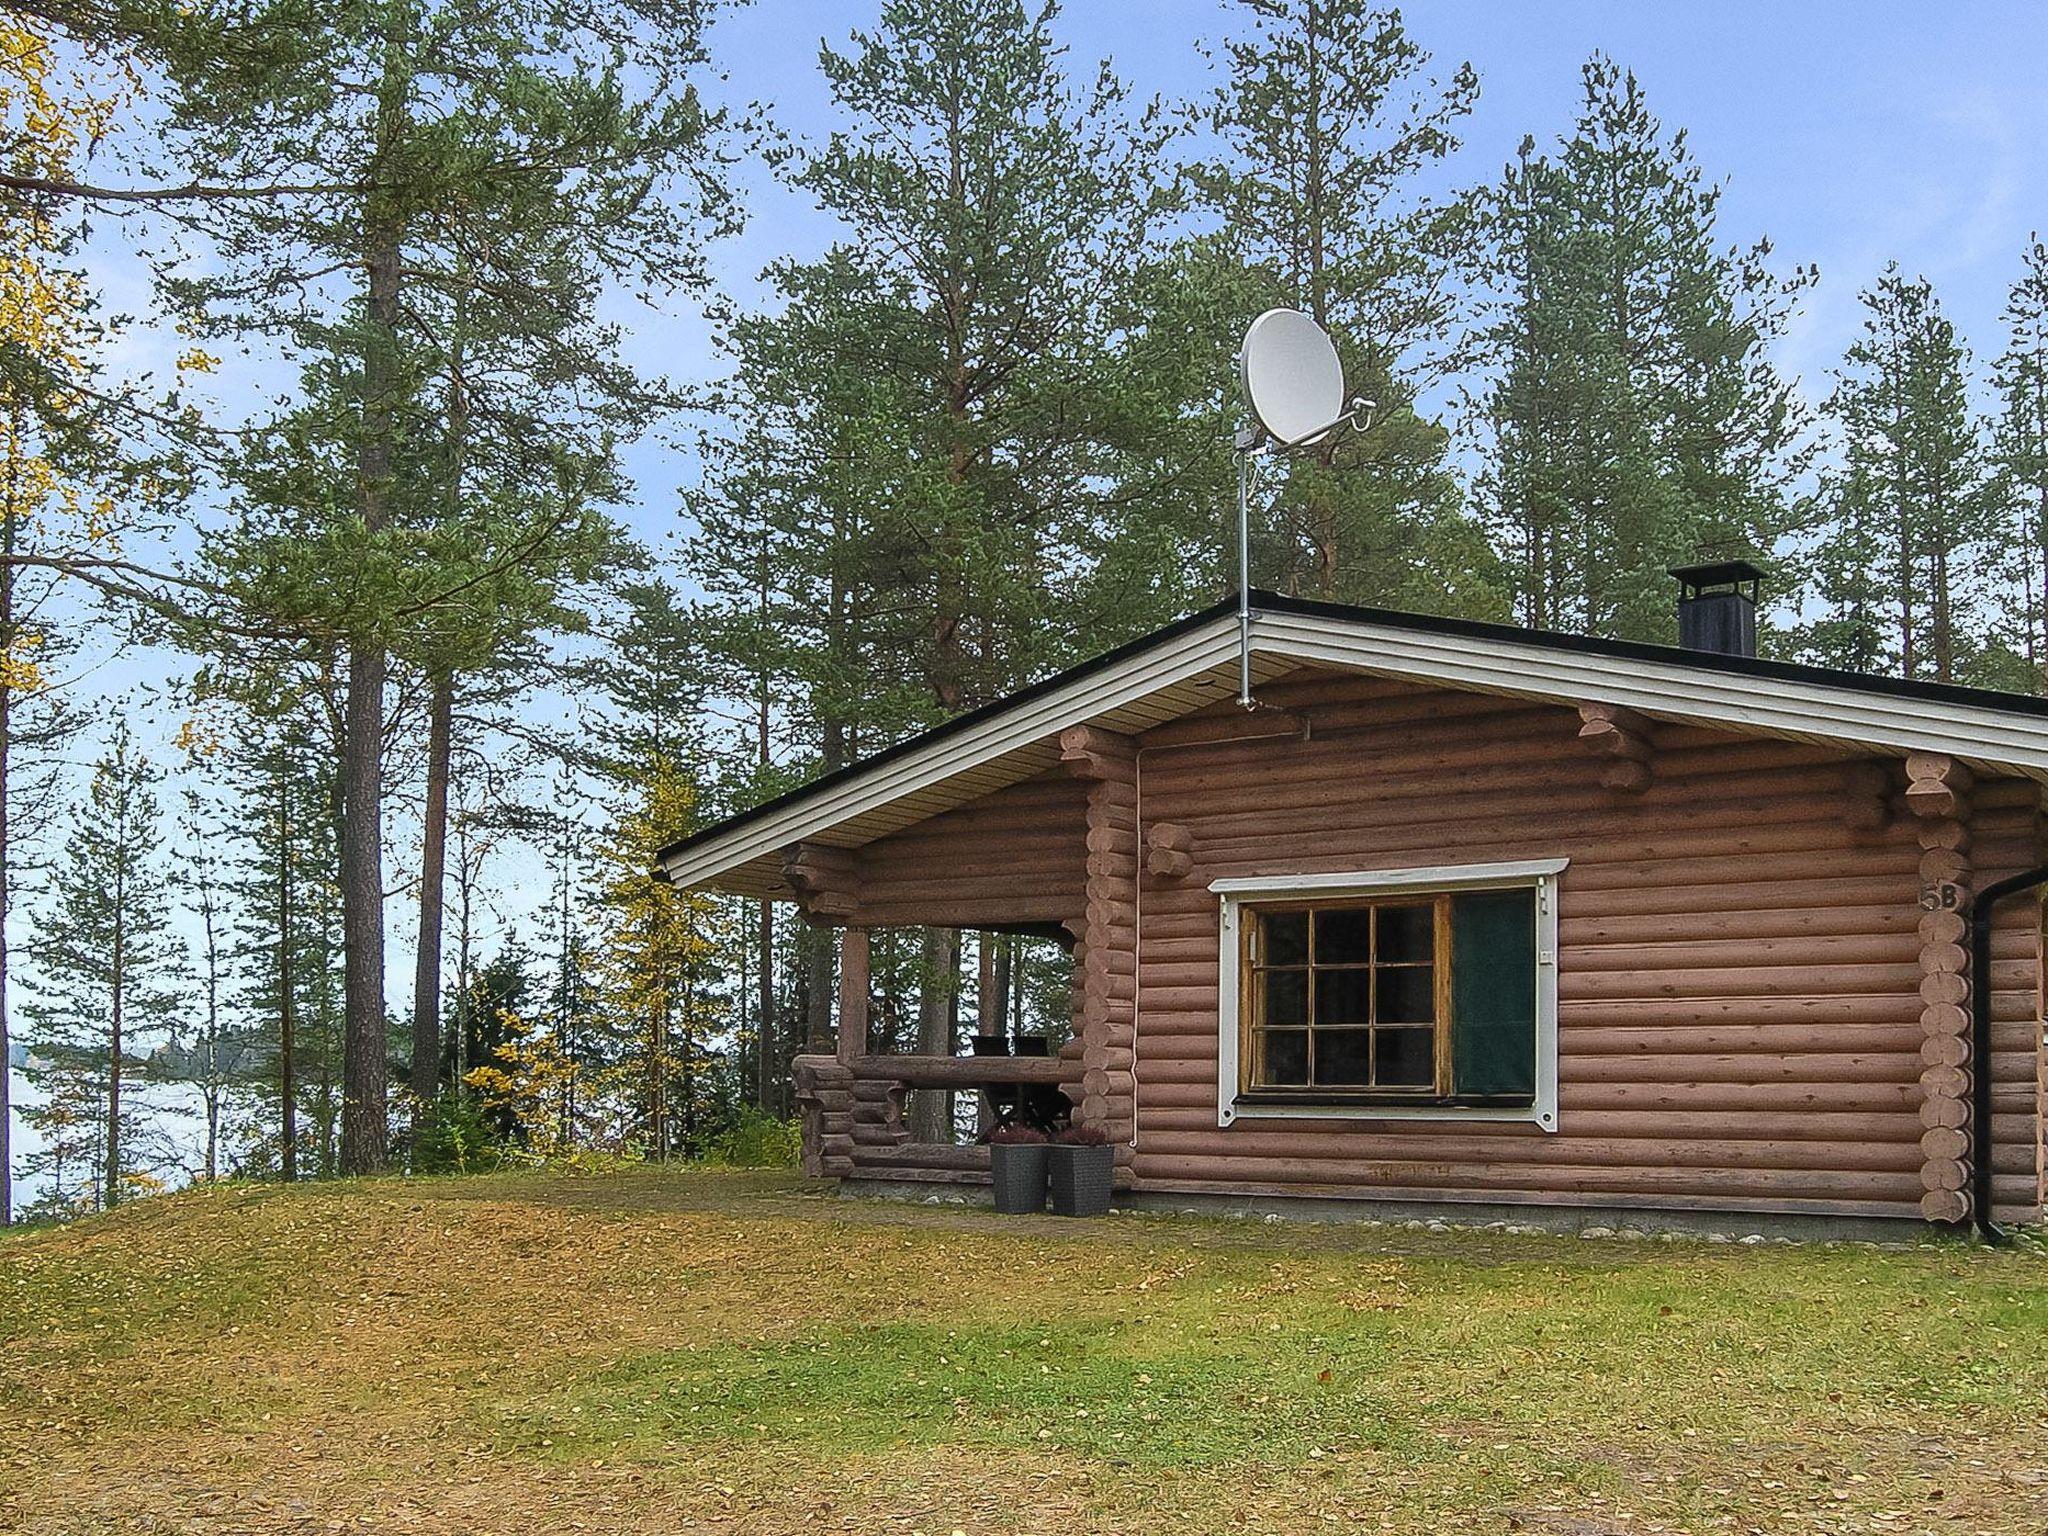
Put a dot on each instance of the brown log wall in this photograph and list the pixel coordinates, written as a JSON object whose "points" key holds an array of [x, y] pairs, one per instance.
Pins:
{"points": [[1018, 855], [1753, 998]]}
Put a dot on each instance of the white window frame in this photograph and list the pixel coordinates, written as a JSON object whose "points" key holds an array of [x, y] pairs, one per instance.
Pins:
{"points": [[1251, 891]]}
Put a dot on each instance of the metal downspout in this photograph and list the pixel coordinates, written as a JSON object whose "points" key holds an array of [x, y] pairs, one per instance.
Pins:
{"points": [[1982, 907]]}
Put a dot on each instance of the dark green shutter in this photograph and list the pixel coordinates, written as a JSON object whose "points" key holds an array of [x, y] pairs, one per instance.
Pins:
{"points": [[1493, 995]]}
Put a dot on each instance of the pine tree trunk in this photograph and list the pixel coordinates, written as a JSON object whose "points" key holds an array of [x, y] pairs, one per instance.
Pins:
{"points": [[657, 1072], [426, 982], [287, 1084], [464, 964], [365, 1122], [117, 962], [213, 1081], [2041, 539], [1005, 973], [765, 1095], [820, 944], [988, 1006], [818, 991], [1944, 639], [932, 1114]]}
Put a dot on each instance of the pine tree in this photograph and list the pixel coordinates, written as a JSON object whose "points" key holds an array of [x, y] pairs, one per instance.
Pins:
{"points": [[2019, 466], [1633, 417], [286, 945], [512, 157], [104, 958], [946, 362], [62, 496], [1327, 119], [1907, 492], [215, 1059]]}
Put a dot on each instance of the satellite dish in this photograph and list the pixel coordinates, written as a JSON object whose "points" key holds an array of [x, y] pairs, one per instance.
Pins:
{"points": [[1292, 379]]}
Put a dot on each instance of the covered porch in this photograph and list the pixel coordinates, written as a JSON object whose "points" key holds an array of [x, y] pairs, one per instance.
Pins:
{"points": [[1052, 856]]}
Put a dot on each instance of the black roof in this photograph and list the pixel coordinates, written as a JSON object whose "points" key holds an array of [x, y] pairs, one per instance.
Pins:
{"points": [[1476, 629]]}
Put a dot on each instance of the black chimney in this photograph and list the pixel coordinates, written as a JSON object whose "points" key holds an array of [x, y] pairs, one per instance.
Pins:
{"points": [[1717, 606]]}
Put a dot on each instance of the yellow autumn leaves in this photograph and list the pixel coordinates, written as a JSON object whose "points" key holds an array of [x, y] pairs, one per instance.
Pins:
{"points": [[651, 965]]}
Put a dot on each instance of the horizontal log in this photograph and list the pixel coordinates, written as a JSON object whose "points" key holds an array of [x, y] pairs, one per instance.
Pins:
{"points": [[955, 1071], [1733, 980], [1513, 769], [1452, 1145], [1942, 927], [1670, 854], [1944, 1050], [1944, 988], [1941, 833], [1943, 1173], [924, 1154], [927, 883], [1804, 1067], [1775, 1200], [1191, 914], [1407, 761], [1943, 866], [1900, 1096], [1950, 1113], [1559, 1182], [1945, 1019], [1814, 952]]}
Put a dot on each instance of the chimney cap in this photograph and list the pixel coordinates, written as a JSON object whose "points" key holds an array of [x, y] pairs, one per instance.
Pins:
{"points": [[1716, 573]]}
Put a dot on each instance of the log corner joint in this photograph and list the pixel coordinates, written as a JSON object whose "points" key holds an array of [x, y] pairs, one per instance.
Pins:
{"points": [[1873, 788], [1621, 738], [1095, 755], [1938, 797], [1169, 850], [826, 881]]}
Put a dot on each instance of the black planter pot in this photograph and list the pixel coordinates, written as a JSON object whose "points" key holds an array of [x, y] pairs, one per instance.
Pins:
{"points": [[1019, 1173], [1080, 1178]]}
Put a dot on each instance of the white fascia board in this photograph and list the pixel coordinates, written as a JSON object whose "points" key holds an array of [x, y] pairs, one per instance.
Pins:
{"points": [[1187, 656], [1773, 706]]}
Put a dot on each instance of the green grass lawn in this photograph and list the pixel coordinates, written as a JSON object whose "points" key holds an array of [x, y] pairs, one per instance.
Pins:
{"points": [[696, 1350]]}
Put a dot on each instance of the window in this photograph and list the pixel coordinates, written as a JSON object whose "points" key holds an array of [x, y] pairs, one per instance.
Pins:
{"points": [[1345, 995], [1400, 992]]}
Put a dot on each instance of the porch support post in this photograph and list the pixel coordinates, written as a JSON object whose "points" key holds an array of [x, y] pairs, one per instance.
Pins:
{"points": [[1937, 795], [853, 994], [1106, 935]]}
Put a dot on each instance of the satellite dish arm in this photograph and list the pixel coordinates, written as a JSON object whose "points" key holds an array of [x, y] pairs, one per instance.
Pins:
{"points": [[1358, 418]]}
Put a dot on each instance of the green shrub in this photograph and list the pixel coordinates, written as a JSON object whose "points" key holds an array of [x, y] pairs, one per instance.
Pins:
{"points": [[757, 1140], [455, 1135]]}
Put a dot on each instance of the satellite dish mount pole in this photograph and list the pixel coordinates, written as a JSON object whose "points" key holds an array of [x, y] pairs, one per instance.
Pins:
{"points": [[1294, 383], [1250, 443]]}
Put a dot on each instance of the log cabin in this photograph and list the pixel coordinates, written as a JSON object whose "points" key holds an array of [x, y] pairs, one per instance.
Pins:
{"points": [[1463, 919]]}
